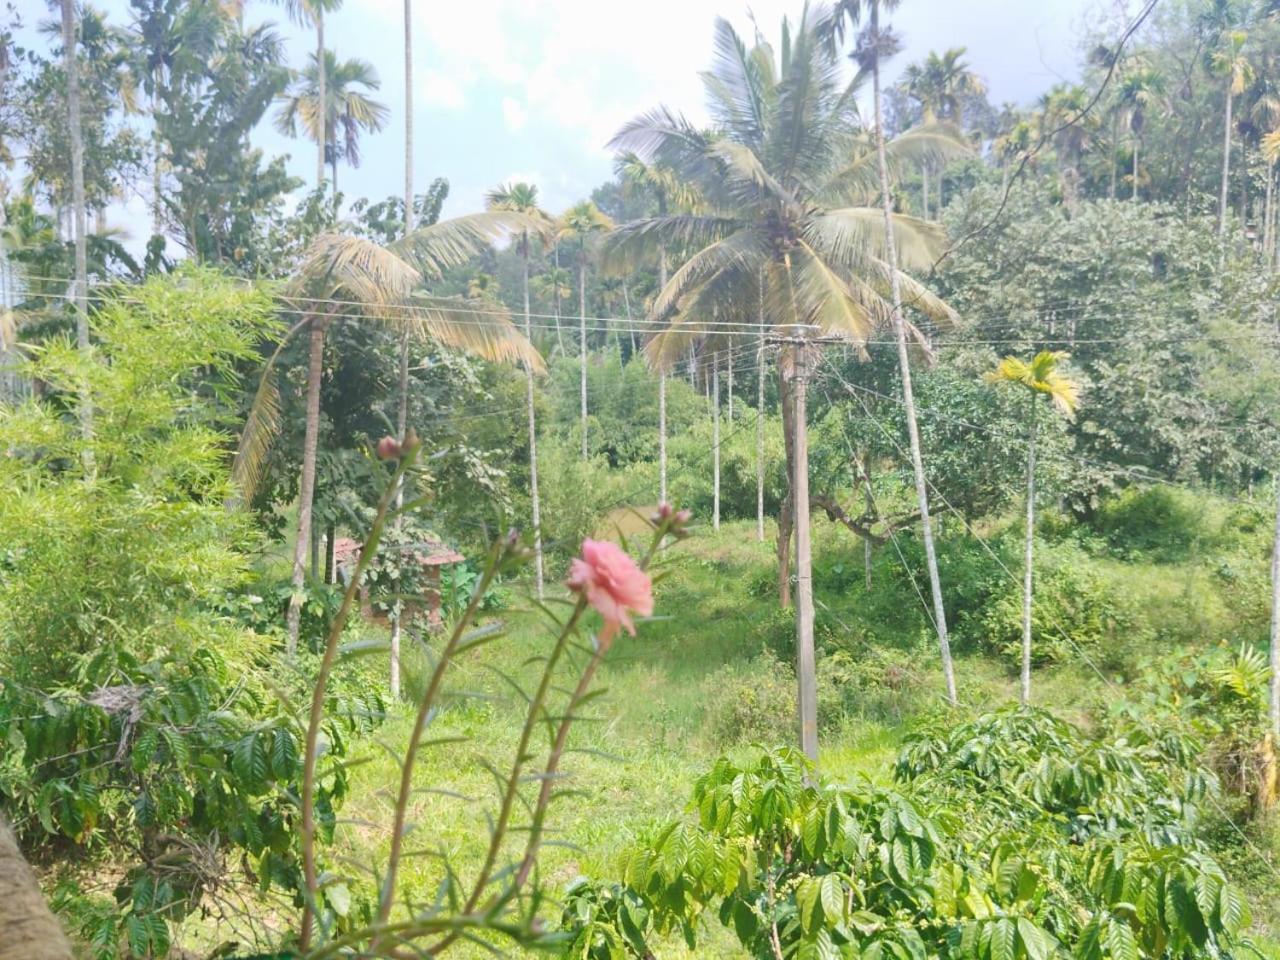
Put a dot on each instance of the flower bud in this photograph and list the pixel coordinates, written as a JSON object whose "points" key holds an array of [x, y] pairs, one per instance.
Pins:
{"points": [[389, 448]]}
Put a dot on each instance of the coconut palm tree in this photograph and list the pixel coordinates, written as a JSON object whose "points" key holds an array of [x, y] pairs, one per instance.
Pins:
{"points": [[344, 276], [522, 198], [788, 231], [581, 222], [1229, 63], [1042, 377], [1140, 90], [347, 113]]}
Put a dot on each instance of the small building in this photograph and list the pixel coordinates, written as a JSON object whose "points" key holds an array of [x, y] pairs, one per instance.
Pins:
{"points": [[431, 554]]}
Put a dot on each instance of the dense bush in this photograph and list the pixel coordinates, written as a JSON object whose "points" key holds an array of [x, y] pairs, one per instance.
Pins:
{"points": [[1011, 837], [1076, 607], [1157, 522], [145, 727]]}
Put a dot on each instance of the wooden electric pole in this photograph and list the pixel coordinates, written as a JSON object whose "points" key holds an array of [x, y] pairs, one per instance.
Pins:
{"points": [[801, 356]]}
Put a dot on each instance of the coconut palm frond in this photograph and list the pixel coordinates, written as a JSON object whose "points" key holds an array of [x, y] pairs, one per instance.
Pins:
{"points": [[916, 296], [736, 86], [261, 427], [477, 327], [355, 268], [1043, 375], [640, 241], [745, 249], [824, 298], [935, 143], [746, 176], [450, 243], [850, 235]]}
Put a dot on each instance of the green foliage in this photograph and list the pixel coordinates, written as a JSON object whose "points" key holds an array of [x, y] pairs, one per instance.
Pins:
{"points": [[144, 726], [1158, 522], [1012, 837], [1077, 608]]}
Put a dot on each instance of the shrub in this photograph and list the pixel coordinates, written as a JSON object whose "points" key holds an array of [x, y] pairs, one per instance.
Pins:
{"points": [[1158, 522], [753, 702], [146, 729], [1074, 606], [1013, 836]]}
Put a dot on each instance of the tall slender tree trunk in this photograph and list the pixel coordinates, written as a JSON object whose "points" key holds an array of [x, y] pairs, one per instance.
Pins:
{"points": [[555, 295], [801, 363], [1027, 557], [31, 931], [582, 343], [80, 285], [869, 500], [631, 323], [1273, 711], [662, 397], [535, 502], [715, 440], [157, 174], [924, 190], [307, 486], [1115, 146], [904, 364], [1226, 160], [402, 398], [322, 97], [1267, 219], [1136, 145], [760, 373]]}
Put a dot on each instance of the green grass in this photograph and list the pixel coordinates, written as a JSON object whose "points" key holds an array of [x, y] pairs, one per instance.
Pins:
{"points": [[663, 719]]}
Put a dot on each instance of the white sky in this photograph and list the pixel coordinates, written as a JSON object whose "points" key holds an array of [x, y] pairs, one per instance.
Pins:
{"points": [[533, 89]]}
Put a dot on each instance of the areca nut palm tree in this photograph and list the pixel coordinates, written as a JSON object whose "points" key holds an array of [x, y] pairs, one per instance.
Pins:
{"points": [[789, 232], [1230, 63], [873, 46], [312, 13], [345, 276], [522, 198], [940, 85], [1043, 376], [347, 112], [581, 222], [1140, 91], [1063, 110]]}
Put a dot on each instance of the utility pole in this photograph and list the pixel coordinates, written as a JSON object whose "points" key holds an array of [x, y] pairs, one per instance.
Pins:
{"points": [[802, 353]]}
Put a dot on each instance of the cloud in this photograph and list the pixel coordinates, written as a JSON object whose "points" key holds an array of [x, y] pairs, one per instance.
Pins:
{"points": [[514, 114], [442, 90]]}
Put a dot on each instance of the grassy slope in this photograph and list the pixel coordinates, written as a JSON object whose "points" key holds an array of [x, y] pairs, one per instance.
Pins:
{"points": [[662, 722]]}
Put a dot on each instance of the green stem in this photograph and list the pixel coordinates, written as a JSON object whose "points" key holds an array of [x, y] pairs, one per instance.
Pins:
{"points": [[415, 738], [318, 695]]}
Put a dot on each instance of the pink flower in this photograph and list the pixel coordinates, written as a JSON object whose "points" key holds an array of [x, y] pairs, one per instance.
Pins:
{"points": [[613, 585]]}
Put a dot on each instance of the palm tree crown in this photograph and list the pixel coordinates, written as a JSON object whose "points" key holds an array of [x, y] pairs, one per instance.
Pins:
{"points": [[349, 111], [788, 186], [1042, 375]]}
